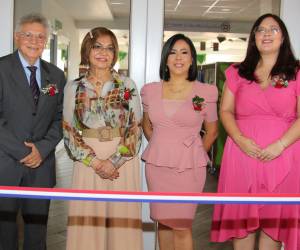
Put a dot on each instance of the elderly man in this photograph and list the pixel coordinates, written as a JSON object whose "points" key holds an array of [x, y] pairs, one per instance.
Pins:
{"points": [[31, 95]]}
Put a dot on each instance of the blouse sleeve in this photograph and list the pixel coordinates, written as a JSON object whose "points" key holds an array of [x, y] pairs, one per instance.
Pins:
{"points": [[75, 145], [144, 98], [232, 78], [211, 114], [132, 137]]}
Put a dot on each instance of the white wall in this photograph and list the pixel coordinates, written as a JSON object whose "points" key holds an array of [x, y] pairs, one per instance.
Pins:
{"points": [[6, 31], [25, 7], [146, 23], [289, 13], [137, 65], [53, 11]]}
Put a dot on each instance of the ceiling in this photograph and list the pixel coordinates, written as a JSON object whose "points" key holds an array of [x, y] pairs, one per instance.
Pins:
{"points": [[87, 9], [229, 10], [189, 11]]}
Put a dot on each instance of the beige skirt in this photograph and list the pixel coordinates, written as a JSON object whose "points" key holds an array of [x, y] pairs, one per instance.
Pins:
{"points": [[105, 225]]}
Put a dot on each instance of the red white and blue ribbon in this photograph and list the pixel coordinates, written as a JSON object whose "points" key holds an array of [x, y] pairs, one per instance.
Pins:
{"points": [[121, 196]]}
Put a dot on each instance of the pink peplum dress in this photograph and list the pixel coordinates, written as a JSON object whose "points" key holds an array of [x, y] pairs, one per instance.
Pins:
{"points": [[175, 157], [263, 115]]}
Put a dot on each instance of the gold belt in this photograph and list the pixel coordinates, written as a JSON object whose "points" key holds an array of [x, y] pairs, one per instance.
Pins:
{"points": [[105, 133]]}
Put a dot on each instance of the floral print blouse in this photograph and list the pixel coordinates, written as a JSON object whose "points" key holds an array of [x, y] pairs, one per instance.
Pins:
{"points": [[118, 106]]}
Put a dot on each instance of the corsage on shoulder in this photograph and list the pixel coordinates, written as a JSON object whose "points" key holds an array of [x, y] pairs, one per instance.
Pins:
{"points": [[198, 103], [279, 81]]}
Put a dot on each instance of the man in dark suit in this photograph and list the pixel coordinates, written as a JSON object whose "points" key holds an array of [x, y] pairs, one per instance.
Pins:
{"points": [[31, 96]]}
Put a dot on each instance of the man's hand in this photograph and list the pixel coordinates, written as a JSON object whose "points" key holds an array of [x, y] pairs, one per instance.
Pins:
{"points": [[34, 159]]}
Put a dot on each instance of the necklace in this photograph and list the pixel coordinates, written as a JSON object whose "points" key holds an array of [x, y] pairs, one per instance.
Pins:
{"points": [[97, 82]]}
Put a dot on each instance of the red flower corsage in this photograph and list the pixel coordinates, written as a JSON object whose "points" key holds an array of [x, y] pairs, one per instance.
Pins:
{"points": [[128, 93], [50, 90], [279, 81], [198, 103]]}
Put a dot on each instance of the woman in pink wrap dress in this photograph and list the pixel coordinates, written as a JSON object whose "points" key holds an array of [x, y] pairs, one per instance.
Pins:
{"points": [[260, 111]]}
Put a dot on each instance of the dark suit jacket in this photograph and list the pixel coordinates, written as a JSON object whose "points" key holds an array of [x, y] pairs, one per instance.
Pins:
{"points": [[21, 121]]}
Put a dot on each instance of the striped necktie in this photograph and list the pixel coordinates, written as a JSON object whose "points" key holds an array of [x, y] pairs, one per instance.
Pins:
{"points": [[34, 85]]}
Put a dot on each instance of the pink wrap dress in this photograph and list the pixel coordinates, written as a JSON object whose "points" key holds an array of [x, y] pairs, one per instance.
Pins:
{"points": [[175, 157], [263, 115]]}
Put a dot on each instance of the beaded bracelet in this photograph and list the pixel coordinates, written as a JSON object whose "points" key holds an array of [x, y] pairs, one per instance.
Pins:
{"points": [[282, 144]]}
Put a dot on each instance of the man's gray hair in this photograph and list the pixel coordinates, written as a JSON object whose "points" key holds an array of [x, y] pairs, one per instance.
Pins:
{"points": [[33, 18]]}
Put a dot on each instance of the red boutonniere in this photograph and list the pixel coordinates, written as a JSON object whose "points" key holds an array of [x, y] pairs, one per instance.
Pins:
{"points": [[198, 103], [128, 93], [279, 81], [50, 90]]}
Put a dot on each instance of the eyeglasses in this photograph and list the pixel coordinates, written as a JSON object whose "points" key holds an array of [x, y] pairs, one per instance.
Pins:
{"points": [[263, 31], [99, 48], [28, 36]]}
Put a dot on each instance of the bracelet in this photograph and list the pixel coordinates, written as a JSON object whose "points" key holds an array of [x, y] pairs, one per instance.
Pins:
{"points": [[91, 161], [88, 159], [282, 144], [117, 160]]}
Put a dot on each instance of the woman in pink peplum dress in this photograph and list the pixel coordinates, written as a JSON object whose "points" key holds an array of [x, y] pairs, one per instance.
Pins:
{"points": [[174, 111], [260, 111]]}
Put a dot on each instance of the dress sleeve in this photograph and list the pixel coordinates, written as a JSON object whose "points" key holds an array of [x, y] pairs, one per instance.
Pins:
{"points": [[232, 79], [75, 145], [132, 137], [211, 114], [144, 98]]}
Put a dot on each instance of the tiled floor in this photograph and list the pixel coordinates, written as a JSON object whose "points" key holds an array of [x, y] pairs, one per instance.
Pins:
{"points": [[201, 226], [59, 209], [58, 212]]}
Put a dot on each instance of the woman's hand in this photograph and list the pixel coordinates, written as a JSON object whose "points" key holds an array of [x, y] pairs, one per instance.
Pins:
{"points": [[105, 169], [109, 170], [272, 151], [248, 146]]}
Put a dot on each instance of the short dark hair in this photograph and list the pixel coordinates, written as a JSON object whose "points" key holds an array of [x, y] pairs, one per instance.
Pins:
{"points": [[91, 38], [169, 44], [286, 62]]}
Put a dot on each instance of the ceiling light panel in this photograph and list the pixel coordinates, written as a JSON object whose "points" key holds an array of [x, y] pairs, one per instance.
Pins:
{"points": [[229, 10]]}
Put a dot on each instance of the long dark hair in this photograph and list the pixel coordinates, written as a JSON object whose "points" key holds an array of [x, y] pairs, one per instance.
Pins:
{"points": [[168, 46], [286, 62]]}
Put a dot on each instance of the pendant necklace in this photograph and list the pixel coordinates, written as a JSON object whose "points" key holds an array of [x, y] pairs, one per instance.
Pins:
{"points": [[98, 83]]}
